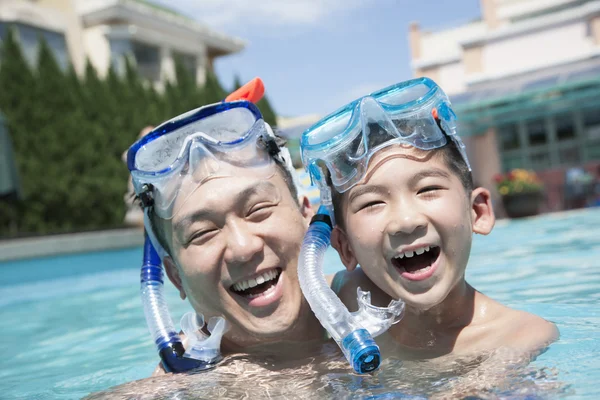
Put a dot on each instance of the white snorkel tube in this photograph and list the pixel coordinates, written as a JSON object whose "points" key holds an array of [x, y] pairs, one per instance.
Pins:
{"points": [[353, 332]]}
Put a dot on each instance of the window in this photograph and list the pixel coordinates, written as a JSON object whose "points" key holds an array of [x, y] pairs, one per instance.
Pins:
{"points": [[509, 137], [511, 161], [147, 59], [29, 39], [540, 159], [188, 61], [569, 155], [565, 128], [536, 132], [591, 122]]}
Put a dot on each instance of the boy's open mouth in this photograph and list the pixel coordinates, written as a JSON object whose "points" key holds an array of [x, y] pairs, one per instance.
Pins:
{"points": [[261, 285], [418, 261]]}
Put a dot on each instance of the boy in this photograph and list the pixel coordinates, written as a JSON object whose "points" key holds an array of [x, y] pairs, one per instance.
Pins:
{"points": [[405, 210]]}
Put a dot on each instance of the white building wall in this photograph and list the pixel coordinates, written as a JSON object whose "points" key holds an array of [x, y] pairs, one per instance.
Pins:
{"points": [[514, 9], [451, 77], [536, 50], [445, 44], [98, 48]]}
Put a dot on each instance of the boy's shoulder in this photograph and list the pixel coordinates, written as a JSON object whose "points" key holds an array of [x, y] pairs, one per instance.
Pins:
{"points": [[523, 330]]}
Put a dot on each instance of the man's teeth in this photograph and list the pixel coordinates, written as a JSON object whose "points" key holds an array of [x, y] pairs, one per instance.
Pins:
{"points": [[411, 253], [250, 283]]}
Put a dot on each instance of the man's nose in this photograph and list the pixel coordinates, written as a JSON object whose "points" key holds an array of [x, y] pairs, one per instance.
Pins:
{"points": [[242, 243], [405, 219]]}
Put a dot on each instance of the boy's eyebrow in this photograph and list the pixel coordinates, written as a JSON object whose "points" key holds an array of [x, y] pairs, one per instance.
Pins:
{"points": [[359, 191], [428, 173], [187, 220]]}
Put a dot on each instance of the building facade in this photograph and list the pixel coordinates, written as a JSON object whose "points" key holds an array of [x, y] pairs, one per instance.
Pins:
{"points": [[104, 31], [524, 81]]}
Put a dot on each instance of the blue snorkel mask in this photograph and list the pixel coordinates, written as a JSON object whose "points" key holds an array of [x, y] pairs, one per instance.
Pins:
{"points": [[167, 166], [415, 113]]}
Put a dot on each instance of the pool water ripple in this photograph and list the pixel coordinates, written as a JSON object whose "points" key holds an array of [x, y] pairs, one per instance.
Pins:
{"points": [[73, 325]]}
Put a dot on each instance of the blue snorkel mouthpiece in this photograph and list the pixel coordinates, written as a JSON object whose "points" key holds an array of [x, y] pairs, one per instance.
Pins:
{"points": [[363, 352]]}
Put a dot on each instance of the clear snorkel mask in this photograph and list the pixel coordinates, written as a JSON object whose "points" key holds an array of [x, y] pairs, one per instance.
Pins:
{"points": [[219, 140], [416, 112]]}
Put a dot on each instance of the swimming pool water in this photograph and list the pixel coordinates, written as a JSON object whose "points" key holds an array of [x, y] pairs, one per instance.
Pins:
{"points": [[73, 325]]}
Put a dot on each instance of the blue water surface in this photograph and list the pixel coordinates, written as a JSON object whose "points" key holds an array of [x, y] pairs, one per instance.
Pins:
{"points": [[72, 325]]}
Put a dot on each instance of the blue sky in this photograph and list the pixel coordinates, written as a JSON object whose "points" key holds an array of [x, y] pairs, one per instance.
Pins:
{"points": [[316, 55]]}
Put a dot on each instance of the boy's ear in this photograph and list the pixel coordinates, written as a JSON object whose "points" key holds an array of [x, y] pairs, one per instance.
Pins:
{"points": [[339, 241], [306, 209], [173, 274], [482, 212]]}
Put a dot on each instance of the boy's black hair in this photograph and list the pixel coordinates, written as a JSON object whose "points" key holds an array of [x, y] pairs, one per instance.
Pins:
{"points": [[450, 155]]}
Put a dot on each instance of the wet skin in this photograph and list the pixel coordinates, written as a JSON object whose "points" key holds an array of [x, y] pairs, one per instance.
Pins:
{"points": [[409, 202]]}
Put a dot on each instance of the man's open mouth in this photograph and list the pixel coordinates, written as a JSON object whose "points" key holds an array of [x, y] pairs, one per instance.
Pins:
{"points": [[261, 285], [418, 261]]}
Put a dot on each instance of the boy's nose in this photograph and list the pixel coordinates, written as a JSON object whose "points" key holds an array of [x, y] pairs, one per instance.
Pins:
{"points": [[242, 243], [405, 221]]}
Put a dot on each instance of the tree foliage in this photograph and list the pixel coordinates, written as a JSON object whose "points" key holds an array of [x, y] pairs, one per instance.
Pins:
{"points": [[69, 134]]}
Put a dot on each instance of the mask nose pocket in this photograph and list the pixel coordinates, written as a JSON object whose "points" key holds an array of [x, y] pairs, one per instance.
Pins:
{"points": [[202, 163], [377, 127]]}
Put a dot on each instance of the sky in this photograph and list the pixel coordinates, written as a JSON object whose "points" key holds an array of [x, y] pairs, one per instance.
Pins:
{"points": [[314, 56]]}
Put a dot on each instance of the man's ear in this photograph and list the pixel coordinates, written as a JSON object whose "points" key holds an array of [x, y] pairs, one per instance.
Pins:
{"points": [[482, 212], [339, 241], [173, 274], [306, 209]]}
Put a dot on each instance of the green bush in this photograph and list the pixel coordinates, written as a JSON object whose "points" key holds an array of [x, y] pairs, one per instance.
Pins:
{"points": [[69, 133]]}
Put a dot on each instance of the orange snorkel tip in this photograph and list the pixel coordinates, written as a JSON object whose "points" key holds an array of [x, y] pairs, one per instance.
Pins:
{"points": [[252, 91]]}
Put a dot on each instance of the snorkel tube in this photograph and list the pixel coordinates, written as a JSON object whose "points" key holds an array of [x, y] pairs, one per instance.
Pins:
{"points": [[203, 351], [353, 332]]}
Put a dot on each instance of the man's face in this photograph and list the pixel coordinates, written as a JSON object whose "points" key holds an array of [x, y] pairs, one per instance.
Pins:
{"points": [[235, 242], [408, 223]]}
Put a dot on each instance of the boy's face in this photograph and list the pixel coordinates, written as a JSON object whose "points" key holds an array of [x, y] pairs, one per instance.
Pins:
{"points": [[409, 224]]}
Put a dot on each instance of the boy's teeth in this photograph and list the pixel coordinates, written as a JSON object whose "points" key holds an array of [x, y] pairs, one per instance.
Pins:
{"points": [[259, 280], [409, 253]]}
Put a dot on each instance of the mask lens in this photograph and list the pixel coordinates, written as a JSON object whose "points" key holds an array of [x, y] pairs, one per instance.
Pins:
{"points": [[227, 127]]}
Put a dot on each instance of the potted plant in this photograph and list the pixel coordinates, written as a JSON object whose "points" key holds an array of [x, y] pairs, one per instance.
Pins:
{"points": [[522, 192]]}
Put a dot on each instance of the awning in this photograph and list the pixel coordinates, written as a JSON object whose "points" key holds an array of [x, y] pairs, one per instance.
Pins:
{"points": [[540, 93], [9, 180]]}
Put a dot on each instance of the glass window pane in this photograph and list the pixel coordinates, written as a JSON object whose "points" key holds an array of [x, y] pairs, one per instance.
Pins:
{"points": [[569, 155], [511, 161], [509, 137], [593, 151], [187, 60], [540, 159], [591, 123], [565, 128], [536, 132], [148, 60]]}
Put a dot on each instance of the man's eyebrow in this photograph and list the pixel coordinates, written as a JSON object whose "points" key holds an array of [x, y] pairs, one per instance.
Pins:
{"points": [[429, 173], [201, 214], [359, 191]]}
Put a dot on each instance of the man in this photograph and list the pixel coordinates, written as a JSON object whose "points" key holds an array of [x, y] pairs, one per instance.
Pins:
{"points": [[222, 207]]}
